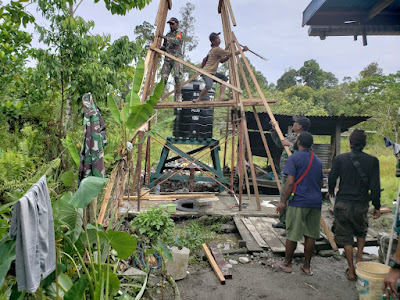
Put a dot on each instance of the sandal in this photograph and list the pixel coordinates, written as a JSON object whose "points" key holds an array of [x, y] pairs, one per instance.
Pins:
{"points": [[311, 273], [280, 267]]}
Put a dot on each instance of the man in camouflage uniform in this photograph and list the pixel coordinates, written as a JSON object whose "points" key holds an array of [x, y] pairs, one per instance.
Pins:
{"points": [[173, 45], [94, 140], [300, 124]]}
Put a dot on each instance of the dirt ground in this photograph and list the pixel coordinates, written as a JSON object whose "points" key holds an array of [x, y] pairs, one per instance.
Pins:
{"points": [[259, 280]]}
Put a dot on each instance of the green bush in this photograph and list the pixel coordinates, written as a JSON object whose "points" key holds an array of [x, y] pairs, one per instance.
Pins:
{"points": [[153, 224]]}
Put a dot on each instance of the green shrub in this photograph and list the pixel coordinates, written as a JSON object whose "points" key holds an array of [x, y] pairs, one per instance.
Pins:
{"points": [[153, 224]]}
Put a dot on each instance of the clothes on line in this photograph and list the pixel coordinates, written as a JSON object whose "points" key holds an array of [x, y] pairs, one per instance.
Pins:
{"points": [[396, 147], [32, 227]]}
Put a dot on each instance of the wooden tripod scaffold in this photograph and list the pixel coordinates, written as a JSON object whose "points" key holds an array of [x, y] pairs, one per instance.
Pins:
{"points": [[239, 123]]}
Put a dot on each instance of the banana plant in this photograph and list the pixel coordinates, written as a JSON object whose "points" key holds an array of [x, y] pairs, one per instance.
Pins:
{"points": [[134, 113]]}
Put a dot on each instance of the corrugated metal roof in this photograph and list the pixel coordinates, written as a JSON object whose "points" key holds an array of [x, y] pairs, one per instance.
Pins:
{"points": [[336, 12], [320, 125]]}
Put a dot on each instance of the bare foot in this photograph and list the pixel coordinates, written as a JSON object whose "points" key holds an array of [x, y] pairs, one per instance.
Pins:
{"points": [[195, 100]]}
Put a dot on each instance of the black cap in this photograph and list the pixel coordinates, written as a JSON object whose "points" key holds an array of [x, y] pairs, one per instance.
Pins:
{"points": [[213, 35], [304, 122], [172, 20]]}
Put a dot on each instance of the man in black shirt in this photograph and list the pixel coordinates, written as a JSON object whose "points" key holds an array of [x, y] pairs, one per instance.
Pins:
{"points": [[359, 184]]}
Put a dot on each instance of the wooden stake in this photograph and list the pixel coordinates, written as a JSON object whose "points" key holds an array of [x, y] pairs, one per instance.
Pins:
{"points": [[214, 265], [226, 136], [228, 3], [107, 195], [271, 161]]}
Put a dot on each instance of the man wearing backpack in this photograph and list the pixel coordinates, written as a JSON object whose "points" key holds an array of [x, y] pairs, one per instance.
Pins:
{"points": [[359, 184], [210, 64], [302, 196], [173, 45]]}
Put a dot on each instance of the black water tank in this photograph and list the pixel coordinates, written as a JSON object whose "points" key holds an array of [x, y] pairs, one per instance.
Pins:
{"points": [[194, 122]]}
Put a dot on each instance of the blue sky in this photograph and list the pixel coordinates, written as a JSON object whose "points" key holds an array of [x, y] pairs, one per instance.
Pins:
{"points": [[271, 28]]}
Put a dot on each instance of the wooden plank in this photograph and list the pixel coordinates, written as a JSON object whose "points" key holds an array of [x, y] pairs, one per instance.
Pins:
{"points": [[221, 262], [269, 237], [256, 235], [196, 69], [251, 244], [214, 265], [171, 197], [207, 104], [228, 2], [277, 232]]}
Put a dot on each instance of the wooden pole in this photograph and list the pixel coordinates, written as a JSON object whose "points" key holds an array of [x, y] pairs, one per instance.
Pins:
{"points": [[261, 95], [271, 161], [226, 136], [183, 84], [139, 168], [107, 195], [234, 117], [246, 177], [238, 90], [148, 164], [328, 234]]}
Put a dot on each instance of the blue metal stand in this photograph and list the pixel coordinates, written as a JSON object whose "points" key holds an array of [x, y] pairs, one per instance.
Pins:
{"points": [[203, 143]]}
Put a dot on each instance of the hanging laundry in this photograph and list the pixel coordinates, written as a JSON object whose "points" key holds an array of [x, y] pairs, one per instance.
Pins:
{"points": [[94, 140], [396, 147], [32, 227]]}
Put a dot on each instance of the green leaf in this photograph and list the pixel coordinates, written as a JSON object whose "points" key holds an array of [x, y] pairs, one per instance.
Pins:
{"points": [[77, 291], [72, 150], [125, 113], [7, 254], [90, 187], [68, 215], [114, 109], [132, 98], [67, 178], [122, 242], [138, 76]]}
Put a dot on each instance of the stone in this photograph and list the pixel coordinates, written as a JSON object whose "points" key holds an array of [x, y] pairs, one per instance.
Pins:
{"points": [[229, 266], [177, 267], [256, 254], [233, 262], [135, 272], [244, 260]]}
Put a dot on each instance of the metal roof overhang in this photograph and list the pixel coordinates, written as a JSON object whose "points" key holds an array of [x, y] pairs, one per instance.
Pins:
{"points": [[352, 17]]}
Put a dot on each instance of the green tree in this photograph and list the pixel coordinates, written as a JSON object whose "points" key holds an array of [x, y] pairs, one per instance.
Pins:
{"points": [[371, 70], [287, 80], [186, 25], [313, 76], [144, 37]]}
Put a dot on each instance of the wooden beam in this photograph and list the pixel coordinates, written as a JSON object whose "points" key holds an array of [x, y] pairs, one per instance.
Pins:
{"points": [[221, 262], [169, 4], [231, 12], [196, 69], [199, 104], [328, 234], [214, 265], [171, 197], [377, 8]]}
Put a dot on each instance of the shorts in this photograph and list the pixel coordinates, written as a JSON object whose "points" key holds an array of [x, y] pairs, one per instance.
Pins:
{"points": [[301, 222], [209, 81], [351, 219]]}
